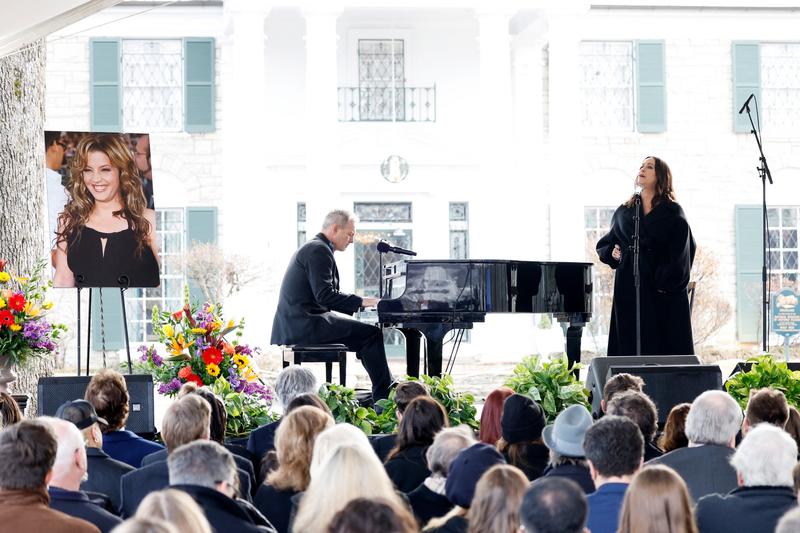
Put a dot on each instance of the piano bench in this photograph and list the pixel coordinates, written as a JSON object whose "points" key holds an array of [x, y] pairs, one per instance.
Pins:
{"points": [[318, 353]]}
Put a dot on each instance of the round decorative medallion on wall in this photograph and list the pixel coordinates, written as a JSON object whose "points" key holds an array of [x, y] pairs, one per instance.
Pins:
{"points": [[394, 169]]}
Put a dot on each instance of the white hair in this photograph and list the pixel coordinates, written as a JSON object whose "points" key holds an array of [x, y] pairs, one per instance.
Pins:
{"points": [[329, 440], [790, 522], [340, 217], [766, 457], [294, 381], [70, 439], [714, 418], [446, 445]]}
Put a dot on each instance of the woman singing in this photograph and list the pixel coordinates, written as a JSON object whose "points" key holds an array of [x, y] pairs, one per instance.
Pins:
{"points": [[106, 235], [665, 261]]}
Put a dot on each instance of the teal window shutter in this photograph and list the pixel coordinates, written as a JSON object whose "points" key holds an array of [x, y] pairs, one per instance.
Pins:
{"points": [[651, 87], [746, 81], [198, 90], [748, 272], [109, 324], [201, 228], [106, 84]]}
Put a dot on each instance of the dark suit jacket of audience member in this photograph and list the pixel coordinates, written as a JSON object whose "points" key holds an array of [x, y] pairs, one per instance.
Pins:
{"points": [[241, 464], [104, 475], [382, 444], [706, 469], [224, 514], [457, 524], [427, 504], [537, 456], [745, 510], [408, 469], [578, 474], [651, 451], [241, 450], [153, 477], [275, 505], [128, 447], [78, 504], [605, 505], [262, 440]]}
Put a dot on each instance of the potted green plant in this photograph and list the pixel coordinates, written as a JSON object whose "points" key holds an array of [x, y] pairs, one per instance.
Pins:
{"points": [[552, 384], [765, 372]]}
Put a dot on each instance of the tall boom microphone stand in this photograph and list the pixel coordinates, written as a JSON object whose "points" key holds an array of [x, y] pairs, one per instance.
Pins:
{"points": [[764, 174], [637, 280]]}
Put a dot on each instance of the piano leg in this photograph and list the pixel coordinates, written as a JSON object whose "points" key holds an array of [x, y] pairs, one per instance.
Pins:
{"points": [[413, 338], [574, 334]]}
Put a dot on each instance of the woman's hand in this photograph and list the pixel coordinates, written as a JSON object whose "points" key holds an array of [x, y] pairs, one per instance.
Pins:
{"points": [[616, 253]]}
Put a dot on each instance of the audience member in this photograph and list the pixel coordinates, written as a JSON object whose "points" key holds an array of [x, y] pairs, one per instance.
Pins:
{"points": [[291, 382], [498, 496], [207, 472], [521, 441], [674, 435], [108, 393], [790, 522], [463, 476], [429, 499], [368, 515], [403, 394], [640, 408], [27, 453], [423, 418], [657, 501], [491, 413], [765, 405], [614, 447], [68, 471], [763, 462], [564, 439], [793, 424], [617, 384], [104, 473], [9, 410], [294, 443], [711, 427], [350, 471], [177, 508], [554, 505], [145, 525], [796, 478]]}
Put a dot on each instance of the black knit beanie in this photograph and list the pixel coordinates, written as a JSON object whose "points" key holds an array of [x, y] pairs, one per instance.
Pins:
{"points": [[523, 419]]}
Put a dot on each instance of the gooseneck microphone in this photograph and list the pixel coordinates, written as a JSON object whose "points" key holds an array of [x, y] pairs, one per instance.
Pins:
{"points": [[384, 247], [747, 102]]}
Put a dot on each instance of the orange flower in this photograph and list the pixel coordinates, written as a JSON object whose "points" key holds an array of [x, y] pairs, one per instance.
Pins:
{"points": [[185, 372], [228, 348]]}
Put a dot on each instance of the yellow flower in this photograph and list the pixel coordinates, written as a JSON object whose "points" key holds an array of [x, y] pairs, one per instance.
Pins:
{"points": [[168, 330], [21, 280], [212, 369], [2, 303], [249, 375], [200, 331], [241, 360], [179, 345], [32, 310], [4, 277], [15, 327], [211, 308], [216, 325], [230, 324], [47, 305]]}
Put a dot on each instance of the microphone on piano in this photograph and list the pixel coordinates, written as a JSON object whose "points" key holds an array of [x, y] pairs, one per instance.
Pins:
{"points": [[384, 247]]}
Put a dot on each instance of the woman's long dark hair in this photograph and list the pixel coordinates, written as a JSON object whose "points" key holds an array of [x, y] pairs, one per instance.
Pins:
{"points": [[423, 418], [664, 190]]}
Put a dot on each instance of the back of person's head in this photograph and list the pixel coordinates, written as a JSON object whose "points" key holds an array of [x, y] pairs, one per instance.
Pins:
{"points": [[657, 501], [309, 398], [219, 413], [331, 438], [424, 417], [614, 446], [491, 413], [638, 407], [145, 525], [789, 522], [522, 421], [202, 462], [767, 405], [177, 508], [351, 471], [108, 393], [9, 410], [466, 469], [293, 381], [294, 444], [793, 424], [796, 477], [674, 435], [766, 457], [27, 453], [187, 419], [621, 383], [368, 515], [554, 505], [407, 391], [446, 445], [714, 418], [71, 452], [498, 495]]}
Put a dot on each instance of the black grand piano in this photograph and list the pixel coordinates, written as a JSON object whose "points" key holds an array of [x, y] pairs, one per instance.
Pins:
{"points": [[432, 298]]}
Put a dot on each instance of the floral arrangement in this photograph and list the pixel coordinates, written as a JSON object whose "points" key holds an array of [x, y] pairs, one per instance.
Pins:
{"points": [[198, 351], [25, 331]]}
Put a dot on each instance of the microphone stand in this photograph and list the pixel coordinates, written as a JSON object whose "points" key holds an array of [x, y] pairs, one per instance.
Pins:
{"points": [[764, 174], [636, 275]]}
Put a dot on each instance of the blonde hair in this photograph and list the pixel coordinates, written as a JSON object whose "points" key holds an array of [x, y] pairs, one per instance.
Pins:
{"points": [[294, 443], [177, 508], [145, 525], [329, 440], [350, 472], [188, 419], [498, 496], [657, 501]]}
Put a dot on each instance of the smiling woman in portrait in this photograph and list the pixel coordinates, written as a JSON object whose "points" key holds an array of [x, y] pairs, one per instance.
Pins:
{"points": [[106, 235]]}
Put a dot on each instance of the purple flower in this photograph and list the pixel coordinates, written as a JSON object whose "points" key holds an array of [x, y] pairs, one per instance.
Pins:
{"points": [[170, 387], [157, 359]]}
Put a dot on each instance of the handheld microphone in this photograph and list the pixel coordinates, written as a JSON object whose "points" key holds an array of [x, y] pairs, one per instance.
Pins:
{"points": [[747, 102], [384, 247]]}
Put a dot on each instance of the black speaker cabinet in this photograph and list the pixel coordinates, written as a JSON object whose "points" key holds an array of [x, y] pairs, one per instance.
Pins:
{"points": [[598, 370], [669, 385], [54, 391]]}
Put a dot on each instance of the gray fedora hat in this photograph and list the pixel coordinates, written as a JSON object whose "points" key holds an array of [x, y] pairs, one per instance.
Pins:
{"points": [[565, 435]]}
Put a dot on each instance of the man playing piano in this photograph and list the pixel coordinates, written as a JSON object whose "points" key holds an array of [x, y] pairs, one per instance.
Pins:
{"points": [[310, 302]]}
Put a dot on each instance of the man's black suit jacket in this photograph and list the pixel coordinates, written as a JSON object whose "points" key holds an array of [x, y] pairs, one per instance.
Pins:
{"points": [[104, 475], [309, 292], [241, 464], [706, 469], [227, 515]]}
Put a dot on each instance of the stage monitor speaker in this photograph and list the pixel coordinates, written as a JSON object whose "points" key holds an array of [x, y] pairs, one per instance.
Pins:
{"points": [[54, 391], [745, 366], [669, 385], [598, 370]]}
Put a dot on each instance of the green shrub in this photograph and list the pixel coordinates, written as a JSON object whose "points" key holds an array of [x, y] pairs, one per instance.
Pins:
{"points": [[765, 372], [345, 408], [550, 383]]}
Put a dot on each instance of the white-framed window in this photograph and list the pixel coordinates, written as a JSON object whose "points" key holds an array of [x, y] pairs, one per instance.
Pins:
{"points": [[607, 85], [152, 85], [780, 87], [597, 223], [784, 225]]}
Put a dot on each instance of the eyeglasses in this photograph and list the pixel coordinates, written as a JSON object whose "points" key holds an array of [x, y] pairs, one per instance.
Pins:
{"points": [[62, 144]]}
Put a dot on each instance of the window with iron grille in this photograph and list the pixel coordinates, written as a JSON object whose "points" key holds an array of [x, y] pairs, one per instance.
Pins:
{"points": [[381, 79], [152, 84], [784, 224], [780, 86], [597, 223], [301, 223], [459, 230], [607, 85], [383, 212]]}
